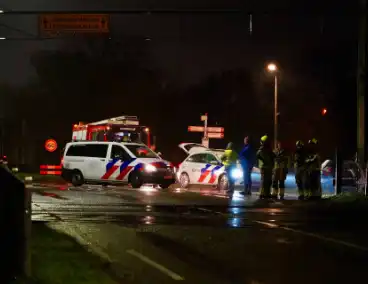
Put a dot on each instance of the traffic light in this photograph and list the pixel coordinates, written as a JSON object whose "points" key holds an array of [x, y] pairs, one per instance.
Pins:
{"points": [[324, 111]]}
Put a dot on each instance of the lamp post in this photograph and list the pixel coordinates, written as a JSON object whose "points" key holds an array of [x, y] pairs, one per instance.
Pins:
{"points": [[272, 68], [148, 132]]}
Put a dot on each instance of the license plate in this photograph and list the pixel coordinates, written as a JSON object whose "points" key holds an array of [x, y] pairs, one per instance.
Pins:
{"points": [[167, 177]]}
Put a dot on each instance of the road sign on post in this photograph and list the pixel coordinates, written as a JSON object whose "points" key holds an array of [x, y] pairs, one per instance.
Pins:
{"points": [[195, 128], [51, 24], [208, 131], [215, 135], [215, 129]]}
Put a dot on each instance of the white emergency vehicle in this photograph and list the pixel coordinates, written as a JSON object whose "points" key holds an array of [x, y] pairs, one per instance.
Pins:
{"points": [[114, 162], [203, 166]]}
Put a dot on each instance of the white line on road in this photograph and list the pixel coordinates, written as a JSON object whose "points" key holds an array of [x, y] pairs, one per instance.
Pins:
{"points": [[154, 264], [267, 224], [313, 235]]}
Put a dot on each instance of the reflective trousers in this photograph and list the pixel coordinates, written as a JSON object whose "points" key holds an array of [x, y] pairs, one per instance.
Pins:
{"points": [[278, 182], [301, 180], [266, 182]]}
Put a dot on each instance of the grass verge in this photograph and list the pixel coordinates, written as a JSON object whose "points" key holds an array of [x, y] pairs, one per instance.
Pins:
{"points": [[58, 259]]}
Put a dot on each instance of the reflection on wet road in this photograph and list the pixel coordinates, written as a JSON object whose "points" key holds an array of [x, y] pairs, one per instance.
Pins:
{"points": [[194, 234]]}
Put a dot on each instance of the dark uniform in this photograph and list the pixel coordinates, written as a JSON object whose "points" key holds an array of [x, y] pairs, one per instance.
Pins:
{"points": [[280, 171], [300, 166], [229, 160], [314, 171], [266, 159]]}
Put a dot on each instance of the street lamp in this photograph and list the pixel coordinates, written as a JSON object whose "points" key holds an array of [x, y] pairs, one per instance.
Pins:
{"points": [[272, 68]]}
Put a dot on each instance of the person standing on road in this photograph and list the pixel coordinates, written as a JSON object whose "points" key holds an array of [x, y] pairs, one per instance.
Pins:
{"points": [[247, 159], [229, 161], [314, 170], [300, 166], [280, 171], [266, 159]]}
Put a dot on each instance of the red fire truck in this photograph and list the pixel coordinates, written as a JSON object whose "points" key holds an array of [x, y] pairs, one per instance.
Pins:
{"points": [[121, 128]]}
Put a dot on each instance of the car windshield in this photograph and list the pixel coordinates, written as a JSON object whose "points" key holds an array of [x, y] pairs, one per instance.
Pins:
{"points": [[141, 151]]}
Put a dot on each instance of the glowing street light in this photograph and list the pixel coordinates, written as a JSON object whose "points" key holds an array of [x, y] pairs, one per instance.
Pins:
{"points": [[324, 111], [272, 68]]}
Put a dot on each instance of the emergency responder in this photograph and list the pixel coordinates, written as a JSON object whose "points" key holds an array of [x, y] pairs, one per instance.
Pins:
{"points": [[280, 171], [247, 159], [229, 160], [314, 170], [300, 166], [266, 159]]}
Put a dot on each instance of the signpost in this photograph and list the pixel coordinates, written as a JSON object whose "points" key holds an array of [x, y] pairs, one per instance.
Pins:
{"points": [[51, 24], [209, 132]]}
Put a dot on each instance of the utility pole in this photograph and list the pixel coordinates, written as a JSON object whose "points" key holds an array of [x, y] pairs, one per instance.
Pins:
{"points": [[361, 78]]}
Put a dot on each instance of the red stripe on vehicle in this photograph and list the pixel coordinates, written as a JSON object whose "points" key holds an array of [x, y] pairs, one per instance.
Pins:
{"points": [[212, 179], [124, 173], [203, 176], [110, 172]]}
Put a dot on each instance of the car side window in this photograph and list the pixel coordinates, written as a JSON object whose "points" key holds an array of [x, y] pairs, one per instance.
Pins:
{"points": [[118, 152], [198, 158], [96, 150], [211, 159]]}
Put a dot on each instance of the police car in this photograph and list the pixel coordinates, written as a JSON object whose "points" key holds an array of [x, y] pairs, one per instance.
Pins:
{"points": [[203, 166], [114, 162]]}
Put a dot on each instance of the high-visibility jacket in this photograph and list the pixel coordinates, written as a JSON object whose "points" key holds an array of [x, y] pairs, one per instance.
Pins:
{"points": [[266, 158], [229, 158], [300, 157], [314, 162], [280, 159]]}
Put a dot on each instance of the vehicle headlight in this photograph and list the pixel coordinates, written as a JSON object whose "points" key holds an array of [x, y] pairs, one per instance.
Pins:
{"points": [[150, 168], [236, 173]]}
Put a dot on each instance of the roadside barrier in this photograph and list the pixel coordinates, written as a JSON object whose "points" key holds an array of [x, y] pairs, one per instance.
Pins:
{"points": [[50, 170]]}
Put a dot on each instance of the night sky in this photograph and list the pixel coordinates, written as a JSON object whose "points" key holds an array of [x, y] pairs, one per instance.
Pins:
{"points": [[310, 40]]}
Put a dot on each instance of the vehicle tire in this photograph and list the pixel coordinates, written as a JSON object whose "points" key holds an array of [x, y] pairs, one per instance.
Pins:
{"points": [[135, 180], [165, 185], [223, 183], [184, 180], [77, 178]]}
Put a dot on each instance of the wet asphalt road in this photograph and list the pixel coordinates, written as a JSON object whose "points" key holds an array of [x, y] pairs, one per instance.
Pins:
{"points": [[202, 236]]}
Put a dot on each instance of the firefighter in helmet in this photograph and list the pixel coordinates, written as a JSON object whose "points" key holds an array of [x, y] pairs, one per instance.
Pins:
{"points": [[266, 159], [280, 171], [314, 170], [301, 175]]}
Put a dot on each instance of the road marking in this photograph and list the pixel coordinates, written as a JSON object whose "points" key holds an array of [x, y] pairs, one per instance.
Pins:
{"points": [[327, 239], [313, 235], [154, 264], [271, 225]]}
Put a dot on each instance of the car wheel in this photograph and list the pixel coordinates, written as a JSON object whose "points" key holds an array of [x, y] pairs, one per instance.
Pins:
{"points": [[223, 183], [184, 180], [77, 178], [135, 180]]}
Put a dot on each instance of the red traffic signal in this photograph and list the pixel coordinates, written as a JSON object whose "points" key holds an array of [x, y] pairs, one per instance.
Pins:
{"points": [[324, 111]]}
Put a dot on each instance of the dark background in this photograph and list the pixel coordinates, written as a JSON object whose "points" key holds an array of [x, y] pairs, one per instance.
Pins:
{"points": [[169, 69]]}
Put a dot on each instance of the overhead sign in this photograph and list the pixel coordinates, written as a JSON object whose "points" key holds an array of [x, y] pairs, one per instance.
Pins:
{"points": [[50, 145], [196, 128], [215, 129], [215, 135], [78, 23]]}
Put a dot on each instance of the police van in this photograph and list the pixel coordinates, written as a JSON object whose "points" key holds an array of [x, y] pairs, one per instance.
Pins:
{"points": [[114, 162]]}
